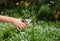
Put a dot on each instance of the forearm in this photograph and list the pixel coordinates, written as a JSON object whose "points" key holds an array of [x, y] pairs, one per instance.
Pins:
{"points": [[5, 19], [18, 23]]}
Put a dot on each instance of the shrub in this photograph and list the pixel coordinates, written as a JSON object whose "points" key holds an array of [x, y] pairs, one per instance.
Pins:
{"points": [[45, 13]]}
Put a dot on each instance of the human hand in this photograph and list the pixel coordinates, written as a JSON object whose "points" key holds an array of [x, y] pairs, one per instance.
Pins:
{"points": [[19, 24]]}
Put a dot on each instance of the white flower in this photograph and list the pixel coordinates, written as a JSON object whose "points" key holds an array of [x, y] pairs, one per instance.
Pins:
{"points": [[52, 2], [26, 40], [22, 33], [22, 40]]}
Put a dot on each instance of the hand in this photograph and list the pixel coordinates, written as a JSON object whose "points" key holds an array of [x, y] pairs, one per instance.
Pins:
{"points": [[19, 24]]}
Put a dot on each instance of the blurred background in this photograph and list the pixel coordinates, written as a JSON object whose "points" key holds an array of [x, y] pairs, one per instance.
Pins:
{"points": [[39, 9]]}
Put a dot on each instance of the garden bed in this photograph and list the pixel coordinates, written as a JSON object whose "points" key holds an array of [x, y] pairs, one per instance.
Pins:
{"points": [[45, 31]]}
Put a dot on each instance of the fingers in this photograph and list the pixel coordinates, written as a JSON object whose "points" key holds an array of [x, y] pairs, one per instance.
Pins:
{"points": [[17, 27], [20, 25], [23, 24]]}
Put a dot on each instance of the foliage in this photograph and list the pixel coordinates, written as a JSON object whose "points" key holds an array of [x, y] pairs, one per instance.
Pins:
{"points": [[43, 32], [32, 8], [45, 13]]}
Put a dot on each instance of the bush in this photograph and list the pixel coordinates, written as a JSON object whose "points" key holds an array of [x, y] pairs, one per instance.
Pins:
{"points": [[45, 13]]}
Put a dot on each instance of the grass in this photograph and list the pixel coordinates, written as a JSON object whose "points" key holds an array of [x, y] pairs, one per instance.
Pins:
{"points": [[45, 31]]}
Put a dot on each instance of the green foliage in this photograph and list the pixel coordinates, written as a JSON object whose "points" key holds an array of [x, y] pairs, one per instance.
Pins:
{"points": [[58, 6], [45, 13], [43, 32], [36, 9]]}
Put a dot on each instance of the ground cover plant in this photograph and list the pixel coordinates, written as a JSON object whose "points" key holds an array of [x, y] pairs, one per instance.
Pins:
{"points": [[38, 32]]}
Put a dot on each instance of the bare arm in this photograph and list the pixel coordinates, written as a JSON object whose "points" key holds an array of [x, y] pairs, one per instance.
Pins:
{"points": [[6, 19], [18, 23]]}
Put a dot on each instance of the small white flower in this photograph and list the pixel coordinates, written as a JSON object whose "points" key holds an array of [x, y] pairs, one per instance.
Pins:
{"points": [[52, 2], [49, 4], [22, 40], [22, 33], [26, 40]]}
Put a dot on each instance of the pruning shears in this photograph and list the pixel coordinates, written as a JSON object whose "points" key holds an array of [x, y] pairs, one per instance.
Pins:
{"points": [[27, 21]]}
